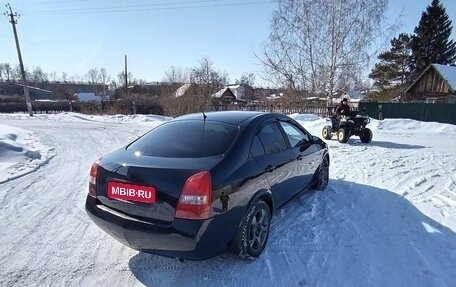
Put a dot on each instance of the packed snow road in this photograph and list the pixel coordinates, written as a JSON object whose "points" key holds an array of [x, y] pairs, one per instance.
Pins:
{"points": [[388, 217]]}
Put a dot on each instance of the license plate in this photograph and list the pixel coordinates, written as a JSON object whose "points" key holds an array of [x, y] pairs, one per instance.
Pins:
{"points": [[131, 192]]}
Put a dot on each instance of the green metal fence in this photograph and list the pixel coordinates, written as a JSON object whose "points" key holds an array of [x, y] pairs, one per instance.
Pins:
{"points": [[442, 113]]}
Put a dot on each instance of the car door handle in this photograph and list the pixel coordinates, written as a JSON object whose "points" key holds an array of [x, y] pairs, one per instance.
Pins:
{"points": [[269, 168], [300, 157]]}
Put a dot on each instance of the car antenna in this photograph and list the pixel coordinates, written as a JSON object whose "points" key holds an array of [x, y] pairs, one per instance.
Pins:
{"points": [[204, 115], [202, 110]]}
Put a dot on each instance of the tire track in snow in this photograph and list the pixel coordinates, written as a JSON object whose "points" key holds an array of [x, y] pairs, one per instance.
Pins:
{"points": [[51, 227]]}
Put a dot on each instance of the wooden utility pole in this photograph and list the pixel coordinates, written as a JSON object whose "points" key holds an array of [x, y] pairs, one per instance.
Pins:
{"points": [[13, 22], [126, 78]]}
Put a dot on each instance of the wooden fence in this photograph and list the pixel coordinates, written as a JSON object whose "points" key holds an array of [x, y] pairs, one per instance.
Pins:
{"points": [[320, 111]]}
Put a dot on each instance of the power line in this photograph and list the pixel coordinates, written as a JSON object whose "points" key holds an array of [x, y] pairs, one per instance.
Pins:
{"points": [[149, 7], [52, 2], [156, 5]]}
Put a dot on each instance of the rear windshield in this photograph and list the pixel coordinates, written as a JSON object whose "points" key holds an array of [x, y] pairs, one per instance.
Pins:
{"points": [[187, 139]]}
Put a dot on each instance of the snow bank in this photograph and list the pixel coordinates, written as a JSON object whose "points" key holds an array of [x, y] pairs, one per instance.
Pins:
{"points": [[304, 117], [76, 117], [21, 152], [413, 125]]}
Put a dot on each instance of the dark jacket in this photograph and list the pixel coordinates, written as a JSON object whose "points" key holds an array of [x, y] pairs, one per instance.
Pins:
{"points": [[342, 109]]}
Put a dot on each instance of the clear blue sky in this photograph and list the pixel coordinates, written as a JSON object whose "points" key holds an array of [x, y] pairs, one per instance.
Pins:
{"points": [[68, 36]]}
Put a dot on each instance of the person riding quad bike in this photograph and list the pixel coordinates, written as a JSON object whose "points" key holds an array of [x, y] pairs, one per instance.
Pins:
{"points": [[343, 109], [346, 123]]}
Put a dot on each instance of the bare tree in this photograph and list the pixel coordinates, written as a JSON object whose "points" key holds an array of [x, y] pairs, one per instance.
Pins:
{"points": [[93, 76], [38, 76], [53, 76], [121, 78], [315, 44], [16, 74], [175, 75], [2, 71], [104, 79], [8, 71], [207, 77], [64, 77], [247, 78]]}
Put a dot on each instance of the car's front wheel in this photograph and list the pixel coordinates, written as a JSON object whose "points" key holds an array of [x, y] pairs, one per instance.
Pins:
{"points": [[322, 175], [254, 231]]}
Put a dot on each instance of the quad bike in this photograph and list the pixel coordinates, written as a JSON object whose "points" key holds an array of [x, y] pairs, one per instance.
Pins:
{"points": [[347, 126]]}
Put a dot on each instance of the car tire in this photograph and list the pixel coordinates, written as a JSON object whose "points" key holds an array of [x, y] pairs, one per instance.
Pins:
{"points": [[366, 136], [253, 233], [342, 136], [322, 177], [326, 132]]}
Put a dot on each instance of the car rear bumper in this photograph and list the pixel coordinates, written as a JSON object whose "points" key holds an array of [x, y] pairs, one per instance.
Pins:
{"points": [[188, 239]]}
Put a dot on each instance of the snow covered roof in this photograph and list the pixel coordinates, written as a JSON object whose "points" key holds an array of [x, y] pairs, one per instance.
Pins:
{"points": [[181, 90], [233, 87], [220, 93], [274, 96], [448, 73]]}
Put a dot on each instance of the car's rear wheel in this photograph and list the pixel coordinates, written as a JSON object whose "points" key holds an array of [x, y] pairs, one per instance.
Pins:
{"points": [[254, 231], [326, 133], [322, 175], [342, 136], [366, 136]]}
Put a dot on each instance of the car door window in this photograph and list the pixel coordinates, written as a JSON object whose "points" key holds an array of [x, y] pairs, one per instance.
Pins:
{"points": [[272, 139], [256, 149], [294, 134]]}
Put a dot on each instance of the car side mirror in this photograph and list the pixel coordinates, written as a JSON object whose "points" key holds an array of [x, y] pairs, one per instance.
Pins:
{"points": [[317, 140]]}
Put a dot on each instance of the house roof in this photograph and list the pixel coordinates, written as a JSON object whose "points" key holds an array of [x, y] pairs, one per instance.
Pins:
{"points": [[221, 92], [234, 87], [181, 90], [448, 73], [30, 88]]}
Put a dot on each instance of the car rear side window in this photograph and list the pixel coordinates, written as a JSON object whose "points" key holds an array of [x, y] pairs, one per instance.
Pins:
{"points": [[257, 148], [187, 139], [272, 138]]}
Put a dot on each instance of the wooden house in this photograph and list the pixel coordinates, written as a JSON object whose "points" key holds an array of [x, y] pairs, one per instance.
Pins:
{"points": [[436, 84]]}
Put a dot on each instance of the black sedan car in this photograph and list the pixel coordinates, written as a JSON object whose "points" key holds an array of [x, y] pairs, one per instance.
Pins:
{"points": [[202, 184]]}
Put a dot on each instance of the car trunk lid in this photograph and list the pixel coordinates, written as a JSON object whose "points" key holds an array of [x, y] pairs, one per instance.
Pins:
{"points": [[162, 178]]}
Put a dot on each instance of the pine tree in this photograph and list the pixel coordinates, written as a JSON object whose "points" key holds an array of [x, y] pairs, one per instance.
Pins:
{"points": [[392, 72], [430, 44]]}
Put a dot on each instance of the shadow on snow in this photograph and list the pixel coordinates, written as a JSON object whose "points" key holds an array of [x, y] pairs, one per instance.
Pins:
{"points": [[351, 234], [385, 144]]}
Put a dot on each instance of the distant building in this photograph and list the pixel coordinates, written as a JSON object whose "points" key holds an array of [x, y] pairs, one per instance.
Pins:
{"points": [[242, 91], [87, 97], [184, 89], [14, 89], [68, 89], [224, 96], [436, 84]]}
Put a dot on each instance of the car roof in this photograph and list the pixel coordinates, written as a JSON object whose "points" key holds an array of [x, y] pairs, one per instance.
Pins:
{"points": [[232, 117]]}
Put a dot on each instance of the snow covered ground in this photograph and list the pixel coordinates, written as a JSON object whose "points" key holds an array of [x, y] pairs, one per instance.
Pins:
{"points": [[388, 217]]}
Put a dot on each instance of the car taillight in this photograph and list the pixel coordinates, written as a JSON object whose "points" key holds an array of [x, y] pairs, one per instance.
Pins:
{"points": [[195, 199], [93, 179]]}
